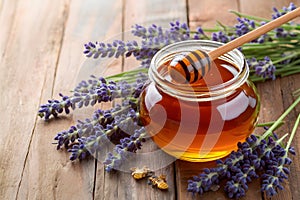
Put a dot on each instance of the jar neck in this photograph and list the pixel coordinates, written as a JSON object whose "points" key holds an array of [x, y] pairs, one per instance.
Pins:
{"points": [[158, 72]]}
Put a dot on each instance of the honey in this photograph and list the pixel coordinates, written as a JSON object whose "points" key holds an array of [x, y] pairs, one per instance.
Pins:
{"points": [[205, 120]]}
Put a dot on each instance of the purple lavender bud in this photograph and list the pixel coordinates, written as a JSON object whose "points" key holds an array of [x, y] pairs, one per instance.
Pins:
{"points": [[244, 26], [292, 6], [292, 150], [129, 144], [200, 30]]}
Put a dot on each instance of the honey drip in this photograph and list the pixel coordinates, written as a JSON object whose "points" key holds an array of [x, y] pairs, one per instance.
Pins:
{"points": [[201, 131]]}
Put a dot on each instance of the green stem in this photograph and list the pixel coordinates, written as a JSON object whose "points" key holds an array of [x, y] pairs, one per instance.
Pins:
{"points": [[292, 64], [280, 119], [282, 138], [129, 76], [296, 93], [286, 57], [269, 124], [249, 16], [286, 44], [290, 72], [256, 79], [293, 133], [286, 67]]}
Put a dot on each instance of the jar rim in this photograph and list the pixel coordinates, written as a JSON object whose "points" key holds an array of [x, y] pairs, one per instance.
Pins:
{"points": [[186, 91]]}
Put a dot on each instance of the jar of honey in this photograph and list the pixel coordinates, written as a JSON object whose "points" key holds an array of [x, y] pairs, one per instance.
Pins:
{"points": [[205, 120]]}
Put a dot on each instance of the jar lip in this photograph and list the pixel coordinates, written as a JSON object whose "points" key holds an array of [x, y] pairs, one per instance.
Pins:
{"points": [[186, 91]]}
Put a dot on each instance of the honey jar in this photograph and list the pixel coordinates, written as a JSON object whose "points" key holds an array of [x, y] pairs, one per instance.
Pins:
{"points": [[205, 120]]}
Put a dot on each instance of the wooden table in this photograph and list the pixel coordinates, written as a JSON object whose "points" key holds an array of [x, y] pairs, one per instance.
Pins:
{"points": [[41, 44]]}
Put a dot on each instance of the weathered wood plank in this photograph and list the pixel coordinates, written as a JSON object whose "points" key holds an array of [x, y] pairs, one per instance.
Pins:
{"points": [[288, 86], [125, 187], [161, 13], [112, 21], [56, 177], [207, 13], [30, 52], [7, 15]]}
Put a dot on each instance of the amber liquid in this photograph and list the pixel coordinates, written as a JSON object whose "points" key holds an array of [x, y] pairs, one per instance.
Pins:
{"points": [[201, 131]]}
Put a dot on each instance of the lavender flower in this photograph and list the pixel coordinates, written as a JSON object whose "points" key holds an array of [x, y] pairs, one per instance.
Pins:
{"points": [[89, 126], [122, 151], [53, 107], [262, 154], [281, 32], [241, 166], [89, 93], [272, 179], [279, 13], [263, 68], [275, 174], [115, 49], [220, 37], [111, 132], [199, 34], [153, 39], [211, 177], [244, 26], [276, 170]]}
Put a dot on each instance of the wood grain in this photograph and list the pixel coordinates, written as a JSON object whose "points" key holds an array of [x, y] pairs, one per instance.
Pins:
{"points": [[206, 13], [289, 85], [30, 54], [7, 15], [125, 187], [65, 179]]}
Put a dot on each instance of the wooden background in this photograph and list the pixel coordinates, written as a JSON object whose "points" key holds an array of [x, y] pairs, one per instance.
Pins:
{"points": [[41, 44]]}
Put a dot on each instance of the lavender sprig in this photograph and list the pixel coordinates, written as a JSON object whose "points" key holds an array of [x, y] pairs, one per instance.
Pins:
{"points": [[95, 90], [153, 39], [265, 154], [277, 171], [283, 11], [120, 127], [122, 151], [89, 126], [263, 68], [257, 154]]}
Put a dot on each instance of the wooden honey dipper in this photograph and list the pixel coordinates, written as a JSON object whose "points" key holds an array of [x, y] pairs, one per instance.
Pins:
{"points": [[193, 66]]}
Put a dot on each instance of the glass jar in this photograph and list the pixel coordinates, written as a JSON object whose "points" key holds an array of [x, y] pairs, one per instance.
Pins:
{"points": [[205, 120]]}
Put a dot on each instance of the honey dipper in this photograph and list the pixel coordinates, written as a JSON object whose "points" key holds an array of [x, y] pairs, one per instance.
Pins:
{"points": [[193, 66]]}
